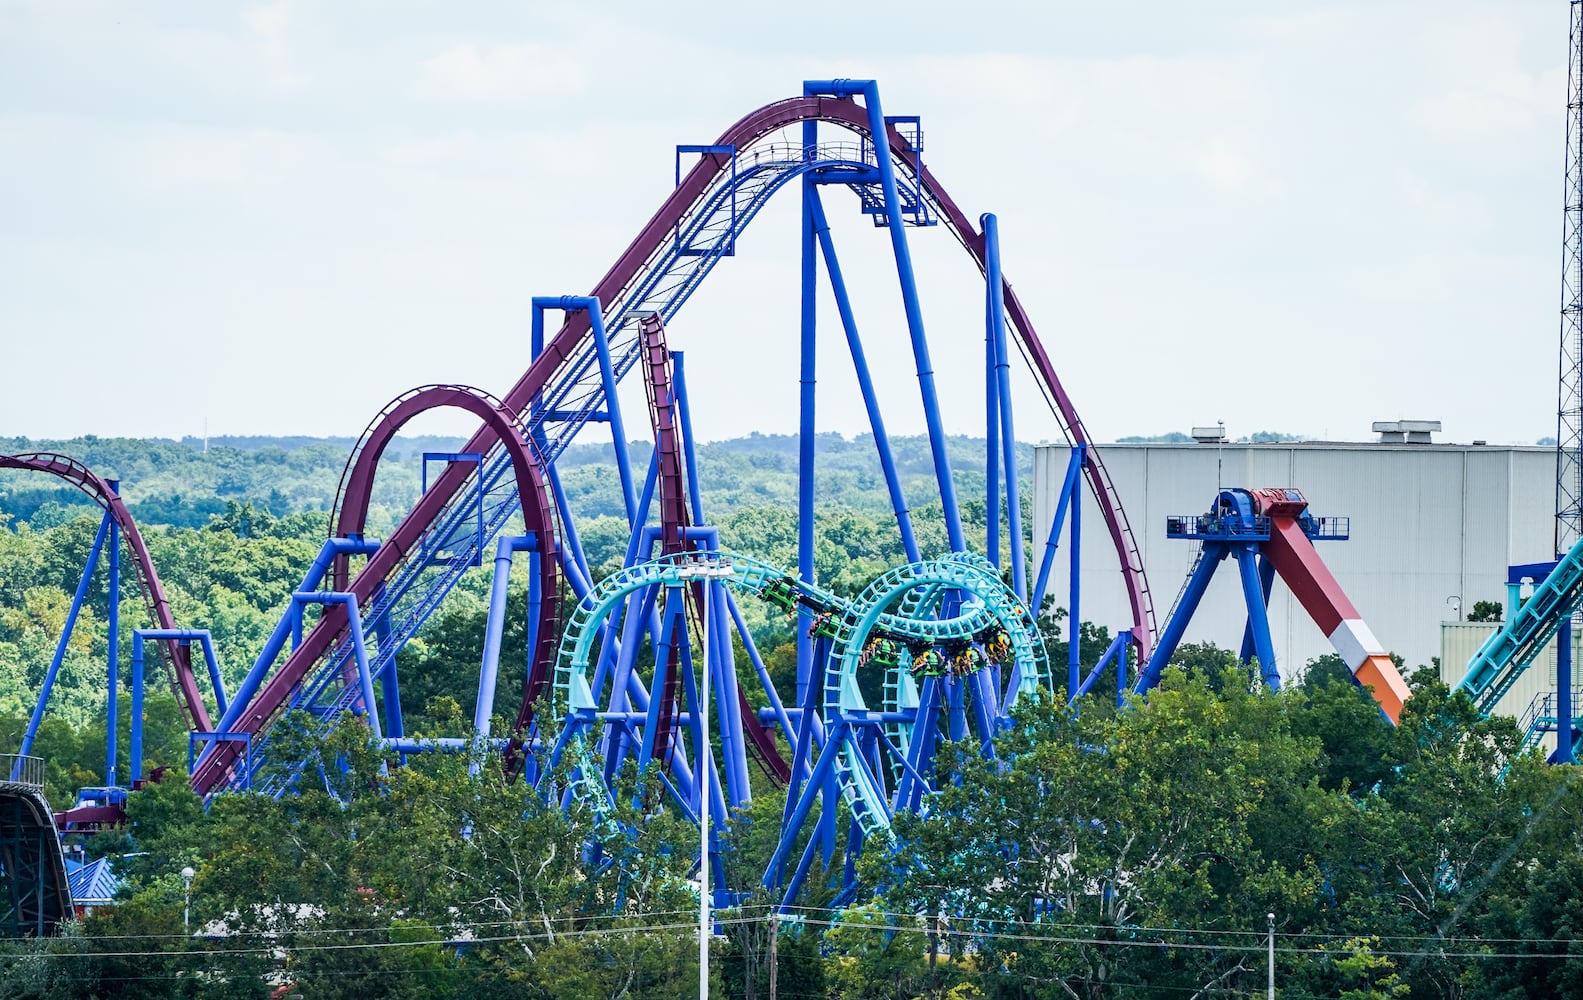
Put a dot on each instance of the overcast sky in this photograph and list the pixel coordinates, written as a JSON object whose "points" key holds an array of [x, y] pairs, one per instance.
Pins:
{"points": [[272, 219]]}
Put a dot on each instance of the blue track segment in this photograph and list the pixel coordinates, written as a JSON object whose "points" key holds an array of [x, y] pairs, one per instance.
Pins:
{"points": [[1507, 654], [954, 604]]}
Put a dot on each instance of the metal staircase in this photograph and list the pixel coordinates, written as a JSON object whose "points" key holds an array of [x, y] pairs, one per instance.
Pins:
{"points": [[1541, 718]]}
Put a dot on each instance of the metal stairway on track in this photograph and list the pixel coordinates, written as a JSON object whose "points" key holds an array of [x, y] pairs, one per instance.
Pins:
{"points": [[1542, 718]]}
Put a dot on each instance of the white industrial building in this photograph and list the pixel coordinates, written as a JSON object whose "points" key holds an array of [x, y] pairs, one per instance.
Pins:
{"points": [[1433, 529]]}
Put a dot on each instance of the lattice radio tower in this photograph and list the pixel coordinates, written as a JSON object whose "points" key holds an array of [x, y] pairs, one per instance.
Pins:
{"points": [[1569, 398]]}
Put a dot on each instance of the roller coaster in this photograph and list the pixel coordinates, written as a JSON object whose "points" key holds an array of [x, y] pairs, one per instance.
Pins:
{"points": [[939, 648]]}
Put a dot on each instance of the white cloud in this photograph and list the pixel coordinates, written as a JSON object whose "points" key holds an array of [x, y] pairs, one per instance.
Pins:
{"points": [[1482, 88], [270, 21], [1203, 115], [269, 24], [1223, 166], [173, 158], [1239, 161], [505, 73]]}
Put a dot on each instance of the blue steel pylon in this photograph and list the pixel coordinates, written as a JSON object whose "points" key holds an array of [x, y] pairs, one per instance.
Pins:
{"points": [[1270, 531]]}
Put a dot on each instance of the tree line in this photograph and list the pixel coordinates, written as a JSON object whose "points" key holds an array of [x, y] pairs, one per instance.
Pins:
{"points": [[1098, 853]]}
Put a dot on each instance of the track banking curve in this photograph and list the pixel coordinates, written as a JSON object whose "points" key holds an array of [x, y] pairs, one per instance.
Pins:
{"points": [[562, 350], [108, 499], [538, 513]]}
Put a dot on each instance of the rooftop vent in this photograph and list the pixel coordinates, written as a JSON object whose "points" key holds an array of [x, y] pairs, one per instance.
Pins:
{"points": [[1405, 431], [1214, 434]]}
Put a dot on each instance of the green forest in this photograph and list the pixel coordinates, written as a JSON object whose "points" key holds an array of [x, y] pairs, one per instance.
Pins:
{"points": [[1101, 853], [232, 524]]}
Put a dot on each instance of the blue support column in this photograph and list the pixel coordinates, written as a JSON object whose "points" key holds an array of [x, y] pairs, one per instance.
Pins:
{"points": [[573, 542], [113, 611], [535, 602], [727, 703], [669, 637], [216, 682], [805, 431], [1258, 620], [801, 765], [828, 816], [865, 380], [798, 807], [779, 710], [1069, 488], [354, 628], [1122, 669], [618, 429], [689, 452], [624, 682], [135, 763], [390, 699], [618, 432], [1564, 733], [596, 323], [909, 291], [536, 336], [991, 437], [1266, 584], [1074, 610], [920, 749], [628, 622], [956, 719], [1117, 645], [489, 670], [288, 626], [708, 782], [184, 637], [65, 633], [1171, 636], [1008, 430], [985, 708]]}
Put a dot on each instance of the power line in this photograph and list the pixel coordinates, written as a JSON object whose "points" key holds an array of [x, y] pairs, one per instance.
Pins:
{"points": [[1187, 945], [534, 920], [277, 948]]}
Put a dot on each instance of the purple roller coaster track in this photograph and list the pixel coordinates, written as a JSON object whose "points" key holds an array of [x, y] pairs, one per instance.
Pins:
{"points": [[842, 111], [955, 643]]}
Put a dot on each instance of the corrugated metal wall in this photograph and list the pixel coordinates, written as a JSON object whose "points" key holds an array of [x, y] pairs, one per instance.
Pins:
{"points": [[1432, 526], [1460, 640]]}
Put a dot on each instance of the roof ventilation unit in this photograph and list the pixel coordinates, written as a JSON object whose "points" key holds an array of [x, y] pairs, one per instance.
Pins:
{"points": [[1405, 431]]}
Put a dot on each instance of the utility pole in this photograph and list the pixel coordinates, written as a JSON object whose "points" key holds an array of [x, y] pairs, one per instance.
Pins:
{"points": [[702, 779], [1272, 956], [187, 874], [775, 935], [710, 570]]}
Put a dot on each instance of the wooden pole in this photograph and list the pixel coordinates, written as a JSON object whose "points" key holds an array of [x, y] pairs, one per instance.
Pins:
{"points": [[775, 934]]}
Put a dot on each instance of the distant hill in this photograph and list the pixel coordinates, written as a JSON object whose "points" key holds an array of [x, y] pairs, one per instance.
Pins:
{"points": [[1177, 437], [180, 484]]}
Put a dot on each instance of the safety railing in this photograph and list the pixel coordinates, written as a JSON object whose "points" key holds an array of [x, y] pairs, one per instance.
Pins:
{"points": [[1214, 526], [1210, 526], [1329, 529], [23, 770], [1541, 712]]}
